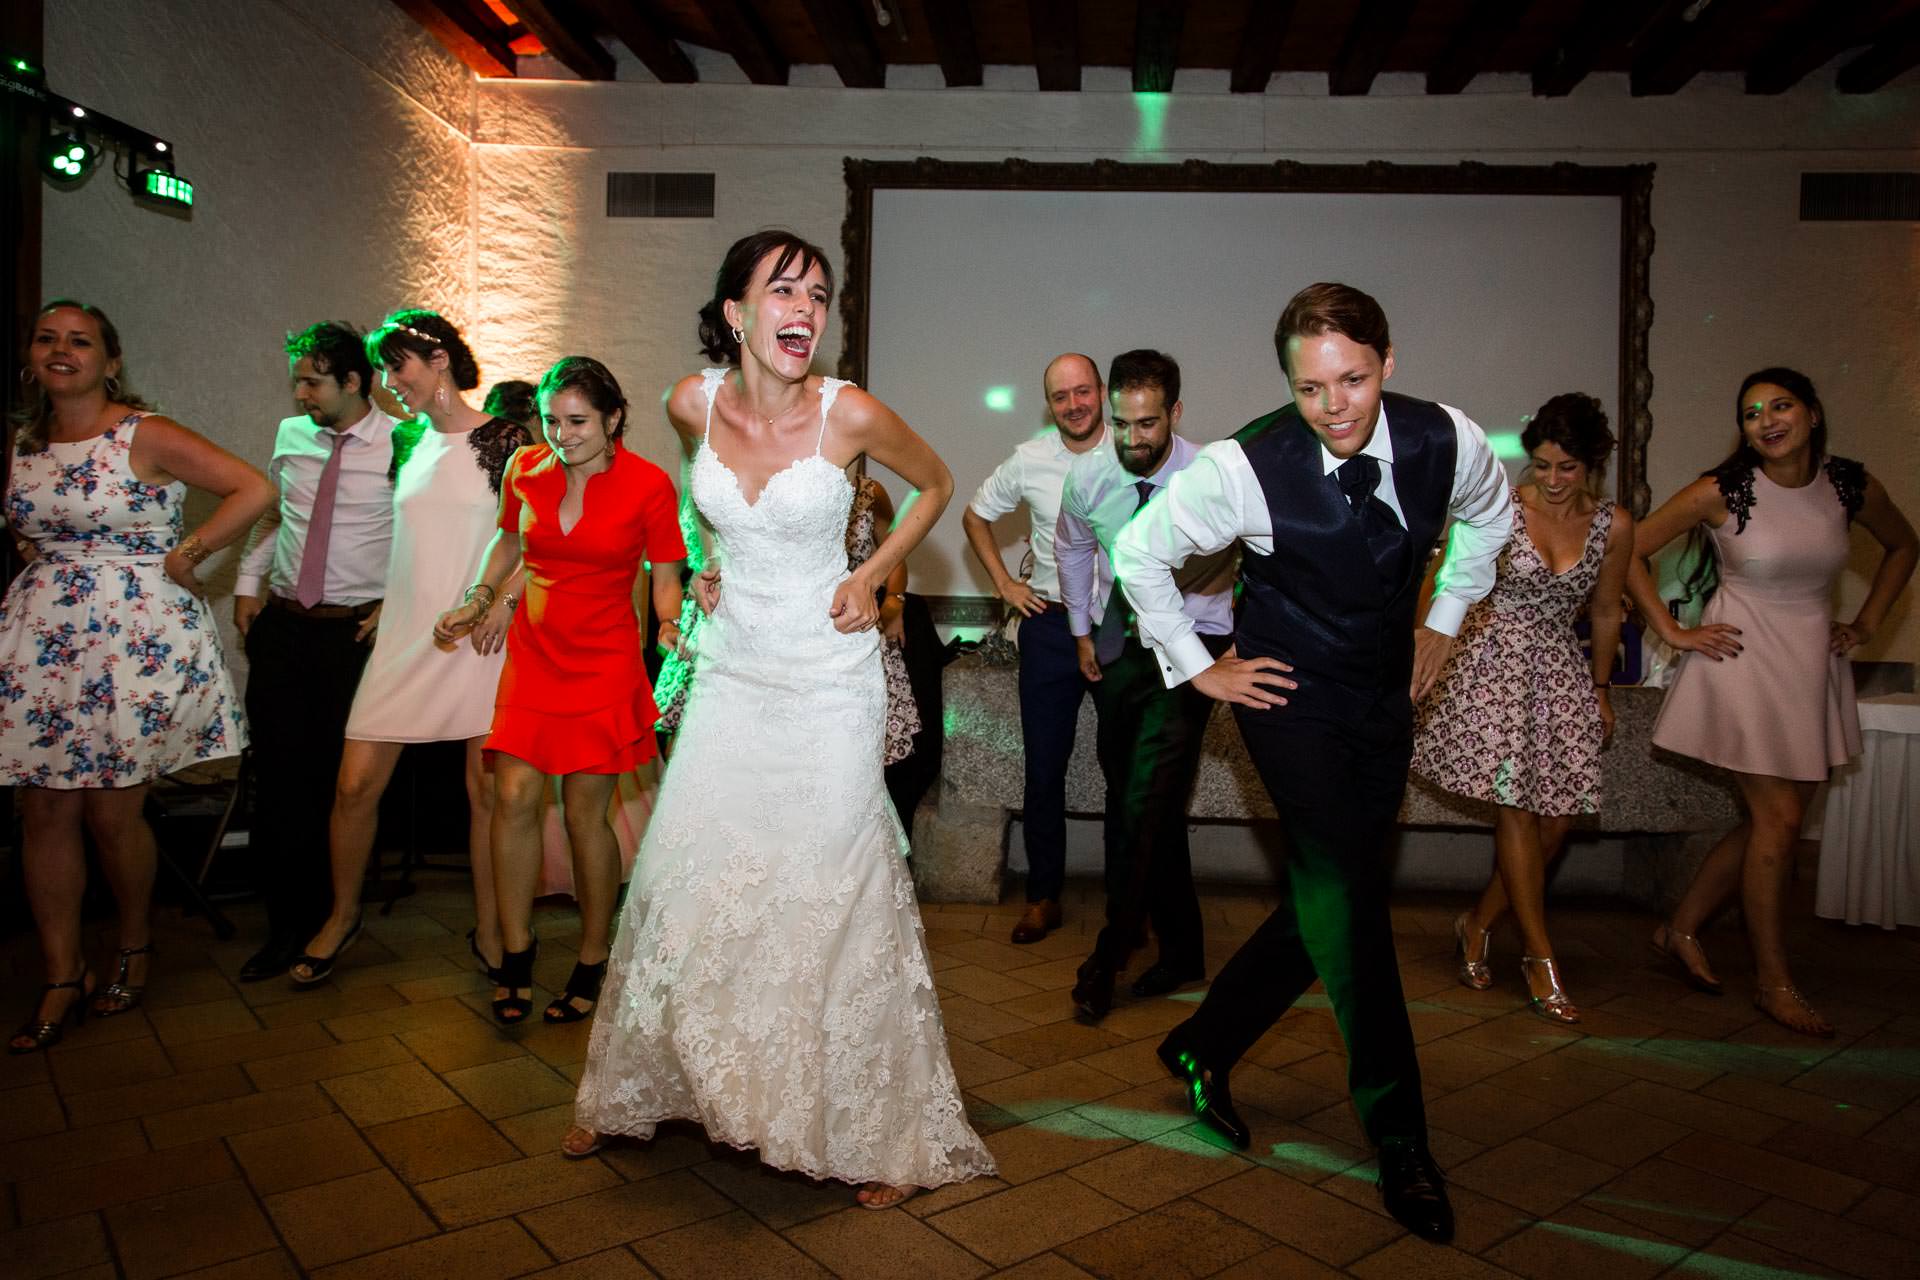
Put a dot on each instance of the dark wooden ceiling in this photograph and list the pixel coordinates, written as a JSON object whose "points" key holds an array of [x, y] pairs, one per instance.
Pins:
{"points": [[1661, 44]]}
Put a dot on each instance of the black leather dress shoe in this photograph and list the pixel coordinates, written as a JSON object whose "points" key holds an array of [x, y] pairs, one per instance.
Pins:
{"points": [[1211, 1100], [1093, 992], [270, 961], [1164, 977], [1414, 1192]]}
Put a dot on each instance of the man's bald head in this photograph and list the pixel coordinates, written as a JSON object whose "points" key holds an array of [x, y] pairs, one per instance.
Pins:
{"points": [[1075, 398]]}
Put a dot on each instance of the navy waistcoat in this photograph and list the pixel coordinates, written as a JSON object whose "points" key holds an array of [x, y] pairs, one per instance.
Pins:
{"points": [[1318, 601]]}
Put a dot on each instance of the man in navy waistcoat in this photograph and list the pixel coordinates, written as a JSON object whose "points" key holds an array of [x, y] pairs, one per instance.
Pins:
{"points": [[1337, 499]]}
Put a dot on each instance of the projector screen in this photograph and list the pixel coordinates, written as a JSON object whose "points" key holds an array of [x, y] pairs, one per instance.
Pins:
{"points": [[1496, 302]]}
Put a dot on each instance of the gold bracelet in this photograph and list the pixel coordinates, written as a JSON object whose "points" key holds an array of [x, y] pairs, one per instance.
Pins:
{"points": [[193, 549], [480, 589]]}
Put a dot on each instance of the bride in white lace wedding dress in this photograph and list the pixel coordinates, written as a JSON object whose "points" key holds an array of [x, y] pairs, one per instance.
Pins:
{"points": [[770, 976]]}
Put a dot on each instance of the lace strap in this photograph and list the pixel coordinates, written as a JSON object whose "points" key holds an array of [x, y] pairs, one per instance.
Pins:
{"points": [[1849, 479], [829, 389], [710, 380]]}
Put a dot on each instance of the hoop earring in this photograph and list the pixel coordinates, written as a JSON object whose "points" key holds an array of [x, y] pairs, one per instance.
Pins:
{"points": [[26, 376], [739, 334], [113, 387]]}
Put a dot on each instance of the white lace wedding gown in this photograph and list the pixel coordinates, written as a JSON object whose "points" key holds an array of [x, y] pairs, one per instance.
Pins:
{"points": [[770, 975]]}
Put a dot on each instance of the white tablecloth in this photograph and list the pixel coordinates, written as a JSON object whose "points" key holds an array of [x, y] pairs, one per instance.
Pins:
{"points": [[1870, 836]]}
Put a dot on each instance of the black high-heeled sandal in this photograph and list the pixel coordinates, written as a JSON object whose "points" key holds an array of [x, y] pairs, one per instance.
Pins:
{"points": [[121, 996], [582, 984], [515, 974], [309, 969], [491, 970], [46, 1034]]}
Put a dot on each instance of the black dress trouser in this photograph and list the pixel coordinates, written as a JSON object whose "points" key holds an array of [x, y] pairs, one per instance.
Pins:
{"points": [[1149, 741], [302, 673], [1336, 777]]}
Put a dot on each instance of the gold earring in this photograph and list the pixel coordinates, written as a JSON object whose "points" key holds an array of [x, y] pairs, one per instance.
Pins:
{"points": [[739, 334]]}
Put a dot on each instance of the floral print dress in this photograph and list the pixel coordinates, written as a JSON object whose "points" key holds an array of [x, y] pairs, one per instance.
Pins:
{"points": [[111, 673], [1514, 719]]}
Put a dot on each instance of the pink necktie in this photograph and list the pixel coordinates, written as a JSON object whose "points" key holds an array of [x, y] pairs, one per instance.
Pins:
{"points": [[312, 587]]}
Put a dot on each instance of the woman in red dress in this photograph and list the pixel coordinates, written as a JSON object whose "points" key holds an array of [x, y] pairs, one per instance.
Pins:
{"points": [[585, 513]]}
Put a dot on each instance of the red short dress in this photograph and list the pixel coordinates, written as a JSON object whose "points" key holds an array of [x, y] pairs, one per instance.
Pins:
{"points": [[574, 696]]}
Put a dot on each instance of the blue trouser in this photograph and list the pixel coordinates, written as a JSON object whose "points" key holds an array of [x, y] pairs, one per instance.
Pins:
{"points": [[1051, 687]]}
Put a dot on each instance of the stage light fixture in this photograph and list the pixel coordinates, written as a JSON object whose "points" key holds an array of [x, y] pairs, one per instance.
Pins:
{"points": [[65, 154], [153, 179]]}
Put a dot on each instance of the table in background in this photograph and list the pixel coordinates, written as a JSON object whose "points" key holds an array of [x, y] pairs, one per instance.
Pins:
{"points": [[1870, 836]]}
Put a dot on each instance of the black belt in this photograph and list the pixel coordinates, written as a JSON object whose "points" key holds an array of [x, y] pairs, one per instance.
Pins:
{"points": [[358, 612]]}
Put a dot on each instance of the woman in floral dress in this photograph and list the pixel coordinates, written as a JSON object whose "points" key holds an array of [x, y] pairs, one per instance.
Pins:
{"points": [[1513, 720], [111, 673]]}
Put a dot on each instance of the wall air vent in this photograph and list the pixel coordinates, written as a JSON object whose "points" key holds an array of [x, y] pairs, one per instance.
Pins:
{"points": [[659, 195], [1860, 197]]}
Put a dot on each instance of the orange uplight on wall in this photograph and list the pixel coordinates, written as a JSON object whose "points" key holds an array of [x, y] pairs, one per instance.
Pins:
{"points": [[527, 45]]}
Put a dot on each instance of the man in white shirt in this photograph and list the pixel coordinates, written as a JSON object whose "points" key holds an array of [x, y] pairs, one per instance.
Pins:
{"points": [[1337, 500], [1150, 734], [307, 601], [1051, 685]]}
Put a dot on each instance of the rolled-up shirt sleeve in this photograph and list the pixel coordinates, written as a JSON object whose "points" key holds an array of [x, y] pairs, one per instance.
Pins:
{"points": [[1482, 511], [256, 561], [1000, 492], [1076, 554], [1208, 506]]}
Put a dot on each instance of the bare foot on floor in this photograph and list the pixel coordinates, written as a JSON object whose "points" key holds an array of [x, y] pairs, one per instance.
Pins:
{"points": [[880, 1195]]}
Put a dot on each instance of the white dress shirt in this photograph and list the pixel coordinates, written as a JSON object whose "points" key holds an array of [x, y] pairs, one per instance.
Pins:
{"points": [[1099, 498], [362, 534], [1034, 473], [1217, 501]]}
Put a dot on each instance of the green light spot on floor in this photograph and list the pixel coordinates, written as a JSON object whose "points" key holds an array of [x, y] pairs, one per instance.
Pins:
{"points": [[1307, 1155], [999, 399], [1652, 1250]]}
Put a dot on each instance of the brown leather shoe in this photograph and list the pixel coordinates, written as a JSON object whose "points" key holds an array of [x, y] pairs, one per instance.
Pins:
{"points": [[1042, 918]]}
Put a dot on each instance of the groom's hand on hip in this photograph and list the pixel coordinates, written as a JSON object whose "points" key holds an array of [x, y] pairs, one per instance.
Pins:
{"points": [[1251, 682]]}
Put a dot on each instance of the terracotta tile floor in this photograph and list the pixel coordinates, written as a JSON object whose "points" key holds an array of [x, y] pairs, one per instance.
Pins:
{"points": [[381, 1126]]}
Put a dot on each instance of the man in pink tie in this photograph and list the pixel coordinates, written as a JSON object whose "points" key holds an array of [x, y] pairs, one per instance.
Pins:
{"points": [[307, 601]]}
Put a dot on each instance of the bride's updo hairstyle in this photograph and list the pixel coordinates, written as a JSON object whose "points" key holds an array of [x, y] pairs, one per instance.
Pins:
{"points": [[421, 333], [595, 383], [736, 273]]}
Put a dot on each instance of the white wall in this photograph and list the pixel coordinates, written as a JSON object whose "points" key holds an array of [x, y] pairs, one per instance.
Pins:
{"points": [[329, 142]]}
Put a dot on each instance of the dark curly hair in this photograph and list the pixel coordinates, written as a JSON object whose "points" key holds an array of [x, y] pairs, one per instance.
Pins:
{"points": [[336, 349], [1578, 424], [591, 379], [512, 400], [1145, 367], [414, 331], [736, 273]]}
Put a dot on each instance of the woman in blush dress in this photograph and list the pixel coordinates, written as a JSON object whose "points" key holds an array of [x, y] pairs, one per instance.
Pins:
{"points": [[111, 673], [447, 466], [573, 702], [1765, 689], [770, 977], [1520, 715]]}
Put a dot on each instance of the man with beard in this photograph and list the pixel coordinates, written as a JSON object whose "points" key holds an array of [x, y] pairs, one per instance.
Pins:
{"points": [[1051, 685], [1338, 497], [307, 601], [1150, 735]]}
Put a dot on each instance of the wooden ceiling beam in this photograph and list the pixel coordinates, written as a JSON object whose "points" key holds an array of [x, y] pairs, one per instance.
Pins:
{"points": [[850, 43], [951, 27], [1376, 28], [1474, 42], [1600, 24], [1895, 50], [463, 35], [567, 37], [1260, 37], [636, 29], [753, 50], [1674, 53], [1056, 43], [1156, 44], [1804, 46]]}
